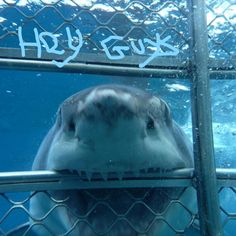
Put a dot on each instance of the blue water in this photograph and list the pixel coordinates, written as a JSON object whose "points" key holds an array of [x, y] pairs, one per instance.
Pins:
{"points": [[29, 101]]}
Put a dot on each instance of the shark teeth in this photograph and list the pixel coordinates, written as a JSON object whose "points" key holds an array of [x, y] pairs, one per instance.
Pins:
{"points": [[104, 175], [88, 175], [120, 175], [136, 173]]}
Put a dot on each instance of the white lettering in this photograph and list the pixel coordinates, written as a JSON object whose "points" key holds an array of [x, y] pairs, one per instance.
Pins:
{"points": [[29, 44], [113, 52]]}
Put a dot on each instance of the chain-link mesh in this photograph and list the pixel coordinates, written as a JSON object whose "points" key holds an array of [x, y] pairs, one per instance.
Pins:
{"points": [[221, 19], [108, 211], [96, 20], [132, 20], [228, 207]]}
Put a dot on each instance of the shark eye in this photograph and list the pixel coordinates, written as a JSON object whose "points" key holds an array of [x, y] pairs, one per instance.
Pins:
{"points": [[150, 124], [71, 126]]}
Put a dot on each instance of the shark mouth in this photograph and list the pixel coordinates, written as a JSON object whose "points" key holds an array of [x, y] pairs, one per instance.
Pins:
{"points": [[148, 173]]}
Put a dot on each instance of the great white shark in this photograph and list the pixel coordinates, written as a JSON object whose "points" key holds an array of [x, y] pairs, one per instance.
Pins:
{"points": [[112, 129]]}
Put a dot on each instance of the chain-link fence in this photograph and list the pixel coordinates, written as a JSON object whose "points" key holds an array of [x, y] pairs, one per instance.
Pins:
{"points": [[124, 207], [144, 25], [136, 38]]}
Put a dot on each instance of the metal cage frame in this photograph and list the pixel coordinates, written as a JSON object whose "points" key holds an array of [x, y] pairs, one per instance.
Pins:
{"points": [[205, 177]]}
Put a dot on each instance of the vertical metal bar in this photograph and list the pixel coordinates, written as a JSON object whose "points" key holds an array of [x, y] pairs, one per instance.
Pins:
{"points": [[208, 200]]}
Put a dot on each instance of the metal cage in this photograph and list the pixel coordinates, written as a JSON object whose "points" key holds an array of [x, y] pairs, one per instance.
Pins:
{"points": [[197, 59]]}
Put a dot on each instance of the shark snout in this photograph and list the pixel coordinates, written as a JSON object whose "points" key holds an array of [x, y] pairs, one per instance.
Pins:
{"points": [[109, 108], [112, 108]]}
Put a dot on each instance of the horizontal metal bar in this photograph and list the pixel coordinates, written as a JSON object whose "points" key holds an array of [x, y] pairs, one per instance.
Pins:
{"points": [[51, 180], [222, 74], [215, 65], [226, 177], [119, 70], [94, 58], [226, 173], [160, 71]]}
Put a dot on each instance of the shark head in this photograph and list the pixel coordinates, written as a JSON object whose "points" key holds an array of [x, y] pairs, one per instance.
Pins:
{"points": [[109, 129]]}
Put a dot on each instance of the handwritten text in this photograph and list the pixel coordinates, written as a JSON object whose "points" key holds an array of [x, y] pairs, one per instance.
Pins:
{"points": [[159, 46]]}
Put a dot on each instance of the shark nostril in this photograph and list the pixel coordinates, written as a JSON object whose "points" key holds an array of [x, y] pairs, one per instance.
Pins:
{"points": [[150, 124], [98, 105], [89, 142]]}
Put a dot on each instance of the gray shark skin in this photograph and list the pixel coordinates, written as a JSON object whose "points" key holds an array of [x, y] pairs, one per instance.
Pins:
{"points": [[112, 129]]}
